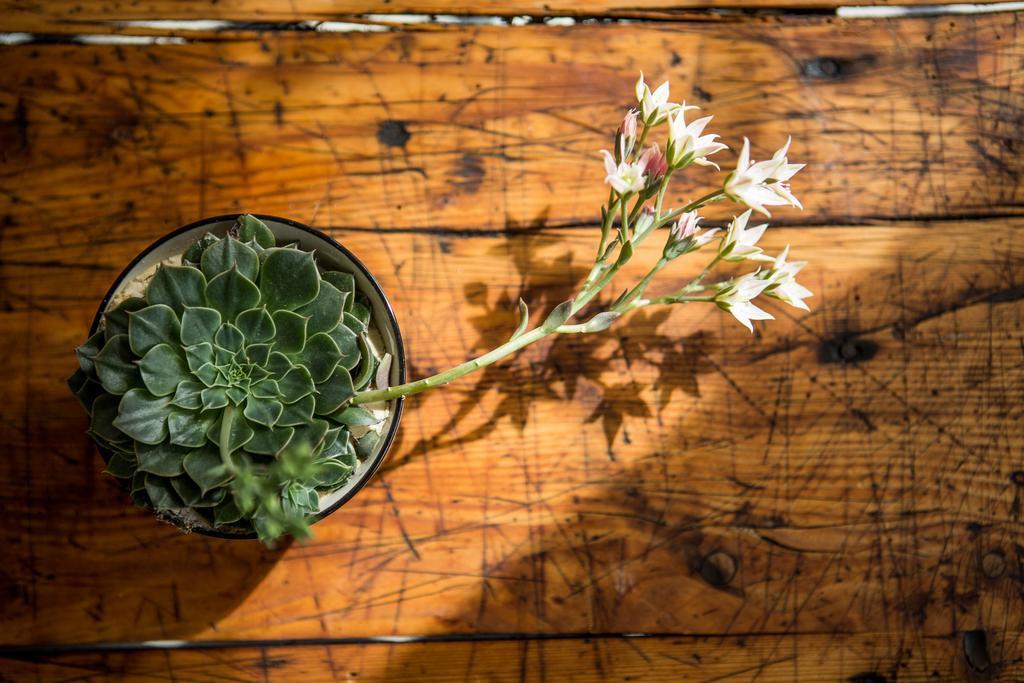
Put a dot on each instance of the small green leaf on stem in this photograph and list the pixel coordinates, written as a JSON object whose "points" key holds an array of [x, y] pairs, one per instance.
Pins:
{"points": [[559, 315], [524, 319], [602, 321]]}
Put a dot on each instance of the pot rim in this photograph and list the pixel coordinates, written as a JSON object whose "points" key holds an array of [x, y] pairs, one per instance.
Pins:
{"points": [[370, 468]]}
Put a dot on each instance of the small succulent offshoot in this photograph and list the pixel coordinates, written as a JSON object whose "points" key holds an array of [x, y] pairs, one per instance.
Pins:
{"points": [[232, 386], [223, 392]]}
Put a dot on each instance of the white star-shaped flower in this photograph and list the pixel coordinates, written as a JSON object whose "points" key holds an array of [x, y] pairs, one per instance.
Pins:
{"points": [[740, 242], [624, 177], [685, 142], [736, 296], [654, 106], [763, 183], [783, 285]]}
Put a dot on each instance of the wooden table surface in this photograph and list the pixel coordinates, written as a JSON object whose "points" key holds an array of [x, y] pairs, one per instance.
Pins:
{"points": [[836, 498]]}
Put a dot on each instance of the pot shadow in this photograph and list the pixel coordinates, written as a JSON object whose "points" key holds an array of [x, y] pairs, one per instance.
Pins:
{"points": [[97, 569]]}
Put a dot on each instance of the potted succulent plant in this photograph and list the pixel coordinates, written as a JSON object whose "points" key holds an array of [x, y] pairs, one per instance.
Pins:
{"points": [[245, 374]]}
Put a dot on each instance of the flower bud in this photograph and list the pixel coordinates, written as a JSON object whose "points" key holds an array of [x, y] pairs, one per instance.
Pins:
{"points": [[628, 127], [653, 163]]}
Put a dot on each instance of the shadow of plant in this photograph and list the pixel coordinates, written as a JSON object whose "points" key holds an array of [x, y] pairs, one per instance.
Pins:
{"points": [[568, 365]]}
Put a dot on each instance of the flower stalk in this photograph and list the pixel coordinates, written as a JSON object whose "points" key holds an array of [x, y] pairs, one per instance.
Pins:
{"points": [[642, 175]]}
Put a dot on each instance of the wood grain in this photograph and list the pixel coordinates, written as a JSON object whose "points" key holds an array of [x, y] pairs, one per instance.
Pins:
{"points": [[848, 468], [480, 128], [98, 16], [868, 657], [846, 482]]}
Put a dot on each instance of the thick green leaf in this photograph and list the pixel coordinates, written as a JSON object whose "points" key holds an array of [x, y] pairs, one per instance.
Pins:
{"points": [[256, 325], [205, 467], [356, 416], [87, 351], [343, 282], [288, 279], [258, 354], [264, 411], [104, 413], [194, 254], [226, 512], [295, 384], [353, 323], [163, 369], [331, 394], [325, 311], [188, 395], [332, 474], [177, 287], [85, 389], [231, 293], [187, 490], [163, 458], [230, 253], [115, 321], [114, 366], [267, 388], [236, 395], [360, 312], [341, 447], [161, 493], [199, 355], [367, 365], [199, 324], [278, 364], [298, 413], [222, 357], [348, 345], [310, 434], [241, 433], [269, 441], [214, 398], [367, 444], [320, 355], [120, 466], [251, 228], [156, 324], [208, 374], [230, 338], [189, 427], [290, 334]]}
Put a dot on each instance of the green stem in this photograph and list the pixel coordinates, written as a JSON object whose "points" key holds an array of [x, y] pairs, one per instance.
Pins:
{"points": [[685, 299], [707, 269], [410, 388], [226, 422], [624, 223], [695, 204], [638, 290], [606, 224]]}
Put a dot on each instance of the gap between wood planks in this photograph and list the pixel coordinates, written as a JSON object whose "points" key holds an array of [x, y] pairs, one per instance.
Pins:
{"points": [[375, 23], [20, 651]]}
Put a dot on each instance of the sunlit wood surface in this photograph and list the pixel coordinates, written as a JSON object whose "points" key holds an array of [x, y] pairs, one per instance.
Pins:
{"points": [[835, 498]]}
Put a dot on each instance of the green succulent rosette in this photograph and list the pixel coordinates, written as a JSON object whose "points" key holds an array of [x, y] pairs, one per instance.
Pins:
{"points": [[223, 390]]}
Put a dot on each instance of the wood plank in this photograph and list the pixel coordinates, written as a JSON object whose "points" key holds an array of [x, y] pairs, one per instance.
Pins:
{"points": [[73, 16], [767, 658], [848, 471], [482, 128]]}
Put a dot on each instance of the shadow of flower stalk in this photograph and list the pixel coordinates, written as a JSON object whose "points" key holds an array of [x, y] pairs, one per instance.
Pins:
{"points": [[639, 177]]}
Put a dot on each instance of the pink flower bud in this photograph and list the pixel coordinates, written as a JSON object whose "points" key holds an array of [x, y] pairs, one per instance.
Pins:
{"points": [[686, 226], [628, 127], [653, 163]]}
